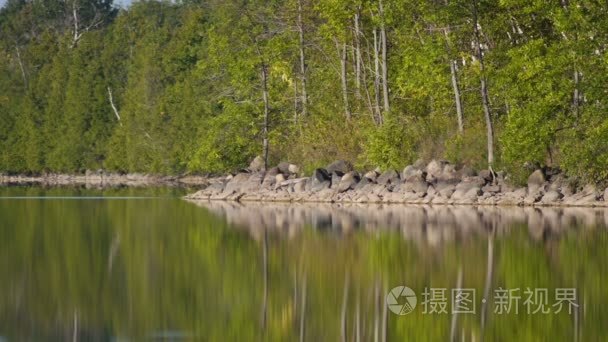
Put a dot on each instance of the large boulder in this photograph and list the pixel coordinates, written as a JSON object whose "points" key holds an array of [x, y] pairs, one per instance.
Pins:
{"points": [[283, 167], [236, 183], [339, 165], [336, 176], [409, 171], [388, 177], [587, 196], [435, 169], [293, 169], [371, 175], [551, 197], [320, 180], [415, 183], [348, 181], [536, 181], [257, 164]]}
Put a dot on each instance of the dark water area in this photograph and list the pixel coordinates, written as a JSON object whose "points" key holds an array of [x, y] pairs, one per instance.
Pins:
{"points": [[136, 264]]}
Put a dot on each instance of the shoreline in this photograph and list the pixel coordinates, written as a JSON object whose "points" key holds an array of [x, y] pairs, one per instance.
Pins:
{"points": [[103, 180], [436, 183]]}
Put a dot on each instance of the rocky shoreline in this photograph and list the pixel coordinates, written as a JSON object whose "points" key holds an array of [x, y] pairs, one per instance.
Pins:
{"points": [[435, 183], [103, 179]]}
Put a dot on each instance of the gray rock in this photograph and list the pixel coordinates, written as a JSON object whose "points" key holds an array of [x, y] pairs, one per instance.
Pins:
{"points": [[416, 184], [371, 175], [320, 180], [293, 169], [348, 181], [363, 184], [435, 168], [606, 195], [487, 175], [388, 177], [257, 164], [491, 189], [408, 171], [336, 176], [299, 186], [588, 195], [283, 167], [236, 183], [535, 181], [279, 178], [339, 165], [551, 196], [320, 175]]}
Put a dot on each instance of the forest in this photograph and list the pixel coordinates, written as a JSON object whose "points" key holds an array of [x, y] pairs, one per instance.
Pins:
{"points": [[203, 86]]}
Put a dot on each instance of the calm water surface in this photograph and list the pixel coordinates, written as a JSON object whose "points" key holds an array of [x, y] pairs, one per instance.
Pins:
{"points": [[143, 264]]}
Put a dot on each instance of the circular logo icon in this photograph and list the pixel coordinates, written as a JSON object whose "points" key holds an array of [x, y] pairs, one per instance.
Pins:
{"points": [[401, 300]]}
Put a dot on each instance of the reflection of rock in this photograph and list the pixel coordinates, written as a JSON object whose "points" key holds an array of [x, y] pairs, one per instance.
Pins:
{"points": [[424, 224]]}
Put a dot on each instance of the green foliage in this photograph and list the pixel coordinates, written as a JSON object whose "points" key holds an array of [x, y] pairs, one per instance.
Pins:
{"points": [[186, 81]]}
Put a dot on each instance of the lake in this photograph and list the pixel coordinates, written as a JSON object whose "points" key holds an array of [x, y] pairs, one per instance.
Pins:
{"points": [[137, 264]]}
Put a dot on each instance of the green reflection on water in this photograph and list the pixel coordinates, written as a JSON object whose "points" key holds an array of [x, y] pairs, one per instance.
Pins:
{"points": [[162, 268]]}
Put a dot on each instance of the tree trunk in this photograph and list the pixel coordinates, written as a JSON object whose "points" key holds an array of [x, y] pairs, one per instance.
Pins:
{"points": [[455, 86], [303, 78], [457, 97], [357, 54], [266, 112], [110, 97], [484, 89], [385, 87], [21, 67], [377, 74], [343, 79]]}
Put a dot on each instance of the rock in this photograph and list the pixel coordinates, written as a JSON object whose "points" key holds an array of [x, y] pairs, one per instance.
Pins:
{"points": [[348, 181], [416, 184], [388, 177], [606, 195], [588, 195], [467, 187], [535, 181], [371, 175], [257, 164], [515, 197], [408, 171], [491, 188], [487, 175], [279, 178], [435, 168], [300, 186], [336, 176], [363, 184], [320, 175], [320, 180], [293, 169], [88, 173], [235, 183], [551, 196], [283, 167], [339, 165]]}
